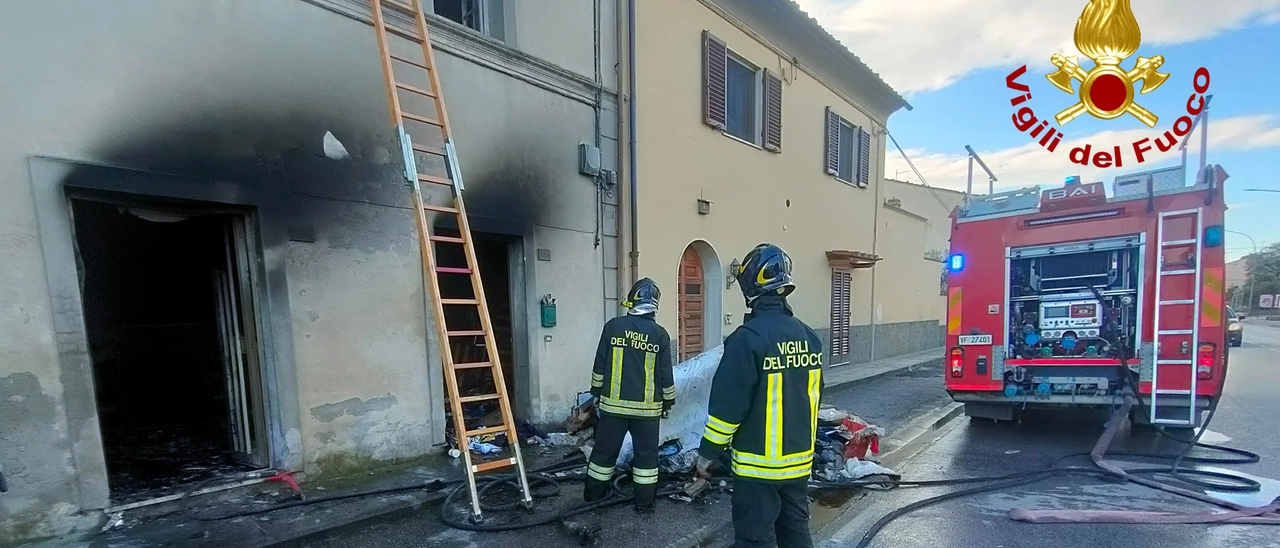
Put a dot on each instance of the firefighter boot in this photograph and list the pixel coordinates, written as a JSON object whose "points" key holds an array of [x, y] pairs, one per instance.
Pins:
{"points": [[645, 495], [595, 490]]}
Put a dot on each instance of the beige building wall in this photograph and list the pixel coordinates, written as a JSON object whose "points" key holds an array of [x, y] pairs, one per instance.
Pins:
{"points": [[755, 195], [913, 239]]}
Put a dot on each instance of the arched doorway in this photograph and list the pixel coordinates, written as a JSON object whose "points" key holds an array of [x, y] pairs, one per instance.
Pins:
{"points": [[692, 299], [699, 295]]}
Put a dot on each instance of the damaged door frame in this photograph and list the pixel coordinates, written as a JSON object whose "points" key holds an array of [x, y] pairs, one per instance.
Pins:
{"points": [[247, 397], [51, 178]]}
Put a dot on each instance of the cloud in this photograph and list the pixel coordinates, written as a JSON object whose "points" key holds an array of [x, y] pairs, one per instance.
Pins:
{"points": [[1031, 164], [924, 45]]}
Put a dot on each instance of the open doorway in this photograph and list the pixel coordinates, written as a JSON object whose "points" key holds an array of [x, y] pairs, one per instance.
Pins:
{"points": [[493, 253], [171, 327]]}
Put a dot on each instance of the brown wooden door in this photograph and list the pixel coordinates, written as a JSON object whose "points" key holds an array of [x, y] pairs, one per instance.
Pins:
{"points": [[841, 280], [692, 305]]}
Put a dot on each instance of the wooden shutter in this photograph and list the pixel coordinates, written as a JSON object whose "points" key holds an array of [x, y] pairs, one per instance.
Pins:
{"points": [[864, 157], [841, 280], [832, 163], [772, 112], [715, 59]]}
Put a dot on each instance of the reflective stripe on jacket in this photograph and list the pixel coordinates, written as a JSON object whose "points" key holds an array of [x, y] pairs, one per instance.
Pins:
{"points": [[765, 395], [632, 372]]}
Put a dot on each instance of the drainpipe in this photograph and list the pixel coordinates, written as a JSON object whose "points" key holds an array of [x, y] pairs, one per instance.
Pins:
{"points": [[875, 250], [631, 145]]}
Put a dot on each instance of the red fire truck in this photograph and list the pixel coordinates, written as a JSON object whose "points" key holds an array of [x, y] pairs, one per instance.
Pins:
{"points": [[1066, 297]]}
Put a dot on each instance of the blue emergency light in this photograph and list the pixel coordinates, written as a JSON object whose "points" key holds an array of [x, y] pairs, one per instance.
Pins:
{"points": [[1213, 236], [956, 262]]}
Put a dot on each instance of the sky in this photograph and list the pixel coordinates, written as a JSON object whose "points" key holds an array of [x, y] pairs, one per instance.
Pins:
{"points": [[950, 58]]}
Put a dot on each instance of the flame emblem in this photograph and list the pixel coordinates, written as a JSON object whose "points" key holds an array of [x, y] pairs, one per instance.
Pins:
{"points": [[1107, 33]]}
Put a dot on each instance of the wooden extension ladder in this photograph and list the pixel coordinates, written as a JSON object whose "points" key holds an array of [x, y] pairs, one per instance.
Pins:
{"points": [[432, 161]]}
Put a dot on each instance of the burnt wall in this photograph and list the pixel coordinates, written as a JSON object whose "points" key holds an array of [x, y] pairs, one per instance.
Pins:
{"points": [[228, 104]]}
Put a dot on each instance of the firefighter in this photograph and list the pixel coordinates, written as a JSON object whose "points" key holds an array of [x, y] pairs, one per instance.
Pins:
{"points": [[763, 407], [634, 388]]}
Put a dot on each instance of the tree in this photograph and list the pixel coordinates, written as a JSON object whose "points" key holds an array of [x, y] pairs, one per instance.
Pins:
{"points": [[1263, 272]]}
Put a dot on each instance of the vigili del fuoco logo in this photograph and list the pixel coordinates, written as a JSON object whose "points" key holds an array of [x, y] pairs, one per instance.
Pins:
{"points": [[1108, 34]]}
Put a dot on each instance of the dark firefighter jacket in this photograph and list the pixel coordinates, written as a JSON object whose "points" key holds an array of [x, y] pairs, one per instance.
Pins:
{"points": [[765, 394], [632, 373]]}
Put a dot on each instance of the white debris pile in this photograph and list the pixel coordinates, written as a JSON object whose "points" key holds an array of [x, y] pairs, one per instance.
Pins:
{"points": [[687, 419]]}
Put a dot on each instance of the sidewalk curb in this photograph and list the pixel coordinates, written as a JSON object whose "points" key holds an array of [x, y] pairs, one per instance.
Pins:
{"points": [[881, 374], [917, 436]]}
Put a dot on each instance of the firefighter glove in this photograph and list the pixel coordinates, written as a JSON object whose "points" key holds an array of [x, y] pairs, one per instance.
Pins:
{"points": [[704, 466]]}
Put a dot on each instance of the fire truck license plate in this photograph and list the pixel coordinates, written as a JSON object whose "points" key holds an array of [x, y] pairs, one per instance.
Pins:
{"points": [[974, 340]]}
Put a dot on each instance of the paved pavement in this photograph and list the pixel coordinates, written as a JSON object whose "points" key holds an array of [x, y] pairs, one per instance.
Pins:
{"points": [[889, 393], [1245, 419]]}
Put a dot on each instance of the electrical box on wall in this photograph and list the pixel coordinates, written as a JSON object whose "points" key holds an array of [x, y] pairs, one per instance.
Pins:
{"points": [[548, 311], [589, 159]]}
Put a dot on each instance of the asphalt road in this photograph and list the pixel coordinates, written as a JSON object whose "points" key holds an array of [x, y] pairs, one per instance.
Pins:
{"points": [[1246, 419]]}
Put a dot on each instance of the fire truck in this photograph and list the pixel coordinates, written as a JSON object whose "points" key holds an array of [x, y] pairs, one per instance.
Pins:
{"points": [[1066, 297]]}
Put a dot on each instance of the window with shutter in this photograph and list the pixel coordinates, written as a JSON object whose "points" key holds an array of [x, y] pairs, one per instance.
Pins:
{"points": [[772, 112], [864, 157], [848, 151], [715, 58], [832, 159], [841, 282]]}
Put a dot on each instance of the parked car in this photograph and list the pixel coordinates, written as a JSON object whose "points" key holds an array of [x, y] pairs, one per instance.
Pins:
{"points": [[1235, 327]]}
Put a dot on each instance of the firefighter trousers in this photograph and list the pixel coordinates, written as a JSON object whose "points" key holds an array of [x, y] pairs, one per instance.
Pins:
{"points": [[771, 513], [610, 432]]}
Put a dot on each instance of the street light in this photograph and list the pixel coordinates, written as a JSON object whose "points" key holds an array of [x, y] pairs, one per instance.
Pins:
{"points": [[1261, 190], [1255, 252]]}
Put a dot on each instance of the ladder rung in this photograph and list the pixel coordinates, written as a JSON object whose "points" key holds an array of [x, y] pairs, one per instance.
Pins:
{"points": [[421, 118], [460, 301], [472, 365], [1178, 301], [412, 37], [481, 397], [1167, 392], [452, 270], [1172, 243], [1177, 272], [487, 430], [1174, 332], [1171, 421], [1173, 362], [410, 62], [404, 8], [428, 150], [447, 239], [441, 209], [485, 466], [476, 333], [417, 90], [434, 179]]}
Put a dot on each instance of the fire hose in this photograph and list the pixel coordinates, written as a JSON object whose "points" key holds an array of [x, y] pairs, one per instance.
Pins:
{"points": [[1107, 471]]}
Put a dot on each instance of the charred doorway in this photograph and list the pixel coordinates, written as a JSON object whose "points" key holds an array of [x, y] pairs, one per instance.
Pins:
{"points": [[494, 254], [171, 326]]}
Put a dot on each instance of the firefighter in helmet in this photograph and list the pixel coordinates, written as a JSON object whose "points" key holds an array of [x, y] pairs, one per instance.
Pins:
{"points": [[634, 388], [763, 407]]}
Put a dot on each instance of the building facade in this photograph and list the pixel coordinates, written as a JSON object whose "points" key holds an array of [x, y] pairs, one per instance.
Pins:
{"points": [[209, 250], [752, 124]]}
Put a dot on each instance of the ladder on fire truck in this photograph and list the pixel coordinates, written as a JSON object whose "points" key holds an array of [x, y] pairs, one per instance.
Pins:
{"points": [[433, 162], [1173, 375]]}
